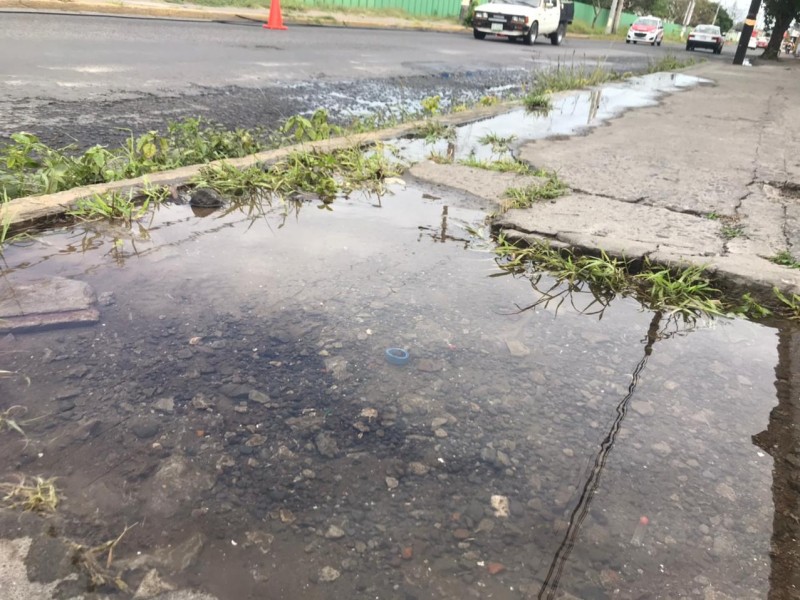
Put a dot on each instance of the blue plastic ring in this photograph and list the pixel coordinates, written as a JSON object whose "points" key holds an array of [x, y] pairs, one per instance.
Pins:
{"points": [[396, 356]]}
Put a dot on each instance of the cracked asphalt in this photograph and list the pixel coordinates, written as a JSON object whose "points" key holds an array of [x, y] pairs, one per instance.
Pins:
{"points": [[90, 79]]}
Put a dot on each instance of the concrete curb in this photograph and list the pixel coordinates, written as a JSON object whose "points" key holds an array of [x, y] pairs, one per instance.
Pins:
{"points": [[201, 13], [33, 209]]}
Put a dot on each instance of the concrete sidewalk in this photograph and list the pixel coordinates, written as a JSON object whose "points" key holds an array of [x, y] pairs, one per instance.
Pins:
{"points": [[711, 176], [160, 9]]}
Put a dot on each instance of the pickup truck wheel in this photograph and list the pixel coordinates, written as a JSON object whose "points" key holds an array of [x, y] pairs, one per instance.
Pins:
{"points": [[530, 37], [558, 35], [479, 35]]}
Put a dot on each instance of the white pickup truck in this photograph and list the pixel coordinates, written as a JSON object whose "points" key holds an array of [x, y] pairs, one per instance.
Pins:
{"points": [[523, 20]]}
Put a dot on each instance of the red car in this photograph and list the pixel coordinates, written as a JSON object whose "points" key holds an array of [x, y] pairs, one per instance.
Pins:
{"points": [[761, 42]]}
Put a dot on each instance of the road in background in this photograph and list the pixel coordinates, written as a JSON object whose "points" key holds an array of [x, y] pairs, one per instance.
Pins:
{"points": [[86, 78]]}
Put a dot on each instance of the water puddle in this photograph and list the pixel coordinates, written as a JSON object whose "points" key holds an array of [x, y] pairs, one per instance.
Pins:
{"points": [[235, 409], [570, 115]]}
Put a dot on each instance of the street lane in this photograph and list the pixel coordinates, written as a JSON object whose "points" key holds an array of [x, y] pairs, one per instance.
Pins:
{"points": [[80, 77]]}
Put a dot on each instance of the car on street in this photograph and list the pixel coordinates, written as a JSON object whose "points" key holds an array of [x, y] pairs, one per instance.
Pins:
{"points": [[648, 30], [706, 36], [523, 20], [761, 42]]}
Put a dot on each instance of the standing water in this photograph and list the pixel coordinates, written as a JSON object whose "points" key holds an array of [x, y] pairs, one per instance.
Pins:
{"points": [[234, 418]]}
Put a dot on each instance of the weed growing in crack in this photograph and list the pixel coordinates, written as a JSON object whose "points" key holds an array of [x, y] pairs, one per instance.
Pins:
{"points": [[686, 292], [786, 259], [669, 62], [503, 165], [524, 197], [323, 174], [30, 167], [732, 231], [573, 77], [432, 131], [537, 102]]}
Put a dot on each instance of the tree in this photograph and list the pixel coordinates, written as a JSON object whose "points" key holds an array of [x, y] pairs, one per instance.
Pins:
{"points": [[597, 6], [724, 20], [779, 15]]}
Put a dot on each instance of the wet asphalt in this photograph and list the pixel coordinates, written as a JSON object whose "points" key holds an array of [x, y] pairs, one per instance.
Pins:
{"points": [[92, 79]]}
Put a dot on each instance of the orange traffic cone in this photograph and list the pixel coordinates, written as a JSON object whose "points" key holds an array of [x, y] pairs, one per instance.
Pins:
{"points": [[275, 18]]}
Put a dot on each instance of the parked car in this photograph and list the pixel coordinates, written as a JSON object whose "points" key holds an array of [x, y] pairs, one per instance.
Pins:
{"points": [[523, 20], [761, 42], [649, 30], [706, 36]]}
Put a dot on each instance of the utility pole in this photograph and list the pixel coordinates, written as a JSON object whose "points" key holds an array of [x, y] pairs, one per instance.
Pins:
{"points": [[611, 14], [747, 31], [618, 15], [687, 17], [716, 14]]}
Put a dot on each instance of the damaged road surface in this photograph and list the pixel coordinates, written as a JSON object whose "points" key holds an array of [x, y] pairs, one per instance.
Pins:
{"points": [[88, 79]]}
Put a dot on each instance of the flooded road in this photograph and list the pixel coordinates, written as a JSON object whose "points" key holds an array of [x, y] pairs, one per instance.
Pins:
{"points": [[235, 408], [234, 418]]}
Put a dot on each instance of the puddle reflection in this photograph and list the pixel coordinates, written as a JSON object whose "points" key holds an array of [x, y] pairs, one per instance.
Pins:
{"points": [[236, 398]]}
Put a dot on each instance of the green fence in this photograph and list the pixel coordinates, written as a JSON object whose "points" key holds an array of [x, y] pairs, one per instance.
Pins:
{"points": [[422, 8], [585, 14]]}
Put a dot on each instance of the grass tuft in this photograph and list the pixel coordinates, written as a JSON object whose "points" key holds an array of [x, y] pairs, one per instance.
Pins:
{"points": [[503, 165], [669, 62], [39, 496], [786, 259], [524, 197]]}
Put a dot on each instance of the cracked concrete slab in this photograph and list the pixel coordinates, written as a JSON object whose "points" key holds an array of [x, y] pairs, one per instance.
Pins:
{"points": [[700, 178], [489, 185], [616, 227]]}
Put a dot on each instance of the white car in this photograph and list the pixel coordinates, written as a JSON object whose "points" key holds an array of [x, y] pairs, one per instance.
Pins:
{"points": [[648, 30], [706, 36], [523, 20]]}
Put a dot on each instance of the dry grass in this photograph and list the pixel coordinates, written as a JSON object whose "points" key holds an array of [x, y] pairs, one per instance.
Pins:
{"points": [[39, 496]]}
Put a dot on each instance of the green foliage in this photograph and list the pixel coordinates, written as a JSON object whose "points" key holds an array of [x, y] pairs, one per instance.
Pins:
{"points": [[503, 165], [29, 167], [537, 102], [786, 259], [669, 62], [111, 205], [753, 309], [791, 304], [300, 129], [732, 231], [572, 77], [688, 292], [432, 105], [432, 131], [489, 101], [323, 174], [471, 12], [525, 197]]}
